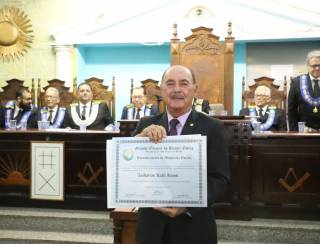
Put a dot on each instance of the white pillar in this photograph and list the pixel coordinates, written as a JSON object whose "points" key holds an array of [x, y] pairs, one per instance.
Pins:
{"points": [[64, 69]]}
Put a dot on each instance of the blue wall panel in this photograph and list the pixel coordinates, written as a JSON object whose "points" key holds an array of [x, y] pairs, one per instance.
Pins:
{"points": [[125, 62]]}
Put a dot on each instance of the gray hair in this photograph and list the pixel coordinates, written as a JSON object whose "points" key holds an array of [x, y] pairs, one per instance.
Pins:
{"points": [[54, 89], [265, 90], [312, 54]]}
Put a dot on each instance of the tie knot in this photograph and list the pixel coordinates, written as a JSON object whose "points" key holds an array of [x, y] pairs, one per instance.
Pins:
{"points": [[173, 123], [84, 106], [50, 110], [173, 127], [315, 81]]}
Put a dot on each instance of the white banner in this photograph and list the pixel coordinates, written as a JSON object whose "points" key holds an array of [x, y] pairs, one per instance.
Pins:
{"points": [[47, 170]]}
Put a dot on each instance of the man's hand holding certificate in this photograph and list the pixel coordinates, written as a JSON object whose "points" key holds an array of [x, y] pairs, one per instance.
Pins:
{"points": [[144, 174]]}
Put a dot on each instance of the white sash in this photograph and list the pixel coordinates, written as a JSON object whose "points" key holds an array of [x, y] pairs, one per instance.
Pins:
{"points": [[88, 121]]}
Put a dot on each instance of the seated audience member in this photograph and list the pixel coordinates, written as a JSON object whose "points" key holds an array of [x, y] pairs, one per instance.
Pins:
{"points": [[21, 110], [52, 112], [94, 114], [304, 96], [138, 108], [201, 105], [271, 118]]}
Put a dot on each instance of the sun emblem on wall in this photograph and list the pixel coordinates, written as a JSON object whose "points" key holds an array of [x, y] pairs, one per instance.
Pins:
{"points": [[15, 33]]}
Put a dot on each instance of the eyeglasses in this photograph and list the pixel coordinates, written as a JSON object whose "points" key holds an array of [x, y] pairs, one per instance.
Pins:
{"points": [[261, 95], [137, 97], [314, 66]]}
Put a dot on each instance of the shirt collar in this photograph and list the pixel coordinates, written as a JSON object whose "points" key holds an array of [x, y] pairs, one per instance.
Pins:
{"points": [[53, 109], [88, 104], [142, 108], [264, 109], [182, 119]]}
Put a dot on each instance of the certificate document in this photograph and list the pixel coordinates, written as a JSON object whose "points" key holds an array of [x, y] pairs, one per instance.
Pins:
{"points": [[172, 173]]}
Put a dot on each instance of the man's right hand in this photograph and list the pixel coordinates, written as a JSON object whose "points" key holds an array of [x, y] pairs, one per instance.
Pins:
{"points": [[155, 133]]}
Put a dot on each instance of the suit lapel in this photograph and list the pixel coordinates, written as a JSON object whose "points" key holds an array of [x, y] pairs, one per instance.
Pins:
{"points": [[78, 110], [164, 121], [190, 124]]}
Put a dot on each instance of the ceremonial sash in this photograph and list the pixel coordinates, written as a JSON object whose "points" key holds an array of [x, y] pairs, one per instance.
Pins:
{"points": [[269, 122], [88, 121]]}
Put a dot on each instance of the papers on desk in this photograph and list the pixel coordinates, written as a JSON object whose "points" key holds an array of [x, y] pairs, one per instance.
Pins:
{"points": [[145, 174]]}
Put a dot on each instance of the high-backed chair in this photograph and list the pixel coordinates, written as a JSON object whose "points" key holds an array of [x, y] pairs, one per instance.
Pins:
{"points": [[278, 97], [66, 97], [211, 61], [9, 90], [100, 92]]}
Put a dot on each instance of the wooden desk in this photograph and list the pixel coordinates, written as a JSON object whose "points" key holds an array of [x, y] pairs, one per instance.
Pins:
{"points": [[285, 174], [85, 168]]}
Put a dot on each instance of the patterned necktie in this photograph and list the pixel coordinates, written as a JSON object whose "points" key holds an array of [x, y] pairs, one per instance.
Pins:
{"points": [[83, 114], [138, 113], [173, 127], [316, 88], [50, 116], [260, 113]]}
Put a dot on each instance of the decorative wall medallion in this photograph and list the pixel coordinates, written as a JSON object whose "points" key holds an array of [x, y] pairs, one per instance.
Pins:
{"points": [[15, 33]]}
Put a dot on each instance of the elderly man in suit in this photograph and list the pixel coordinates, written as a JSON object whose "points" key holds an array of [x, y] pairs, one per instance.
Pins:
{"points": [[271, 118], [138, 108], [304, 96], [21, 109], [94, 115], [171, 225], [52, 112]]}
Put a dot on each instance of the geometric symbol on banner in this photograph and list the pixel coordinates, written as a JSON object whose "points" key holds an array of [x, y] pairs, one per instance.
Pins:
{"points": [[299, 182], [46, 181], [93, 174]]}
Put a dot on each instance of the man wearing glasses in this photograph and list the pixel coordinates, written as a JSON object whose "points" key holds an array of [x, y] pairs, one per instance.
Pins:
{"points": [[304, 96], [138, 108], [271, 118]]}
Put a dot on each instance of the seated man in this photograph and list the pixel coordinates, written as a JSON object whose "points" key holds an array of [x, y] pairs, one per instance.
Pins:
{"points": [[94, 114], [271, 118], [52, 112], [138, 108], [21, 110], [201, 105]]}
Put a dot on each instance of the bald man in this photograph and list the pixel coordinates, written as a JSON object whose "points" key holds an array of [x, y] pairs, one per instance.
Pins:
{"points": [[173, 225], [271, 118]]}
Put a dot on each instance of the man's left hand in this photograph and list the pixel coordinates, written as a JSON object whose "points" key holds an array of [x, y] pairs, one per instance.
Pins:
{"points": [[172, 212]]}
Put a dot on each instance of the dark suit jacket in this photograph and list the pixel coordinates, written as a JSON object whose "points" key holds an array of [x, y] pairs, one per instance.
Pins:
{"points": [[298, 109], [279, 123], [32, 120], [154, 111], [102, 120], [157, 228], [66, 117]]}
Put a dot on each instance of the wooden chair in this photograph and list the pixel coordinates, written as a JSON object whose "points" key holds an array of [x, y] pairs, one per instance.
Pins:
{"points": [[100, 92], [9, 90], [278, 97], [212, 62], [66, 97]]}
